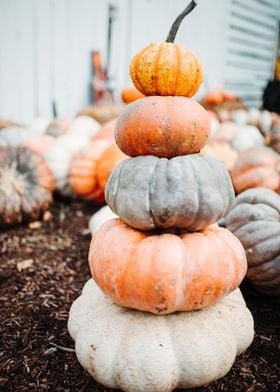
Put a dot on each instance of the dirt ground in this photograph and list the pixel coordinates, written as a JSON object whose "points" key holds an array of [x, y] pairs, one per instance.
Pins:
{"points": [[43, 269]]}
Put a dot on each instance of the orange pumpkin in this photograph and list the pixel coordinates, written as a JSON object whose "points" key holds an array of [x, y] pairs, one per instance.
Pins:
{"points": [[255, 167], [91, 168], [162, 126], [131, 94], [40, 144], [221, 151], [110, 158], [164, 273], [107, 131], [214, 98], [167, 68]]}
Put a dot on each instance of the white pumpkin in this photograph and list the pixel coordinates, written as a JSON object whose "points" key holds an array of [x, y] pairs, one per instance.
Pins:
{"points": [[140, 352], [39, 125], [84, 126], [246, 137], [240, 116], [59, 156], [101, 216]]}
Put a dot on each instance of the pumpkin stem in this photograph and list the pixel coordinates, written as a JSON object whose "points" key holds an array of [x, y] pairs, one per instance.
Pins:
{"points": [[176, 24]]}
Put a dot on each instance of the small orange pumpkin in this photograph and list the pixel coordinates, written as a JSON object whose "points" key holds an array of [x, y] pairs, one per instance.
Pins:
{"points": [[91, 168], [167, 68], [40, 144], [131, 94], [162, 126], [255, 167], [164, 273]]}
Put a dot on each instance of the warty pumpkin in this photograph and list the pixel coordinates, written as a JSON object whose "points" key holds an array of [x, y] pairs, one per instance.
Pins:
{"points": [[135, 352], [165, 273], [26, 185], [167, 68], [162, 126], [255, 220], [255, 167], [131, 94], [189, 192]]}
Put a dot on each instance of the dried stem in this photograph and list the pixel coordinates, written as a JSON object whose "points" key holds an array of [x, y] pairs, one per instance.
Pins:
{"points": [[176, 24]]}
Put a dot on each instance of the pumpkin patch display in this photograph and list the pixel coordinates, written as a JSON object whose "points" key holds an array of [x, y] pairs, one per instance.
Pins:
{"points": [[26, 185], [165, 256], [255, 220]]}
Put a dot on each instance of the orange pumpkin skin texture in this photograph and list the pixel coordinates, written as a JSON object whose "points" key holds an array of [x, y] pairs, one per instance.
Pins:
{"points": [[130, 94], [111, 157], [255, 167], [162, 126], [166, 69], [82, 178], [164, 273], [91, 167]]}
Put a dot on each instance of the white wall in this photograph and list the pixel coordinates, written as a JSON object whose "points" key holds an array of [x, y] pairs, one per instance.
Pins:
{"points": [[45, 47]]}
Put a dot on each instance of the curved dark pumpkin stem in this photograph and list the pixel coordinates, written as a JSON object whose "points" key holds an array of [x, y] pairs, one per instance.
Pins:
{"points": [[176, 24]]}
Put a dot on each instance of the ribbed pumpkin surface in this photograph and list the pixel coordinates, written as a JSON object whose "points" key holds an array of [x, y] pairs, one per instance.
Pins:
{"points": [[255, 220], [189, 192], [164, 273], [166, 69]]}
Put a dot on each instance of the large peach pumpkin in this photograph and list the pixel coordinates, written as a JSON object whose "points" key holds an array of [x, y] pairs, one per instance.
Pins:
{"points": [[165, 272], [162, 126]]}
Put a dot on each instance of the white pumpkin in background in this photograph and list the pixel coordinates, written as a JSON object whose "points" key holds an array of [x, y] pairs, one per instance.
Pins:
{"points": [[58, 127], [254, 116], [137, 351], [265, 122], [84, 126], [39, 125], [59, 156], [246, 137], [101, 216], [15, 136], [240, 116]]}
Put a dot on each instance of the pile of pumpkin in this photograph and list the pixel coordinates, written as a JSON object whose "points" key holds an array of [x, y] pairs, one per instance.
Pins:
{"points": [[163, 309], [73, 159]]}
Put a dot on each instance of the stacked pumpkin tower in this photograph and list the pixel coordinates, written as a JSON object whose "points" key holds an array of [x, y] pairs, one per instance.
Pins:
{"points": [[165, 257]]}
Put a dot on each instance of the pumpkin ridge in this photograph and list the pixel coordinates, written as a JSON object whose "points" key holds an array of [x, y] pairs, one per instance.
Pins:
{"points": [[198, 74], [138, 80], [176, 67], [151, 183], [155, 73]]}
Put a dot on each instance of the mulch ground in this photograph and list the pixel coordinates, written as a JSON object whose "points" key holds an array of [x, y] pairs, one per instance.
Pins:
{"points": [[43, 269]]}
